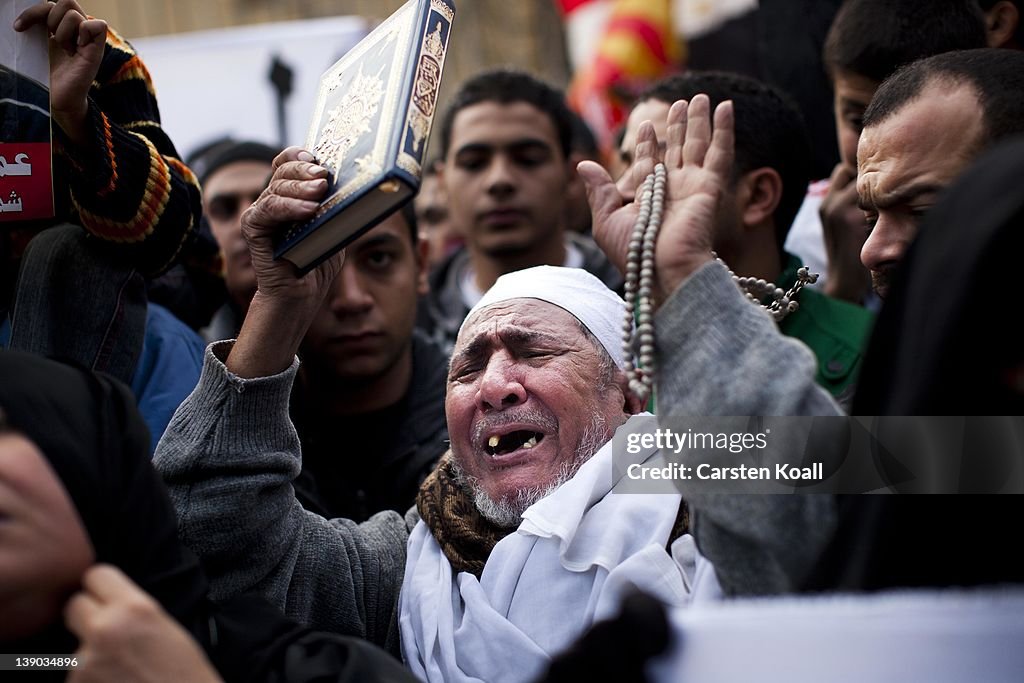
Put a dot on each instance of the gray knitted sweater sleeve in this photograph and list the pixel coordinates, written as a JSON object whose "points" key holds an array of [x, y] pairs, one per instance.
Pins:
{"points": [[229, 457], [721, 356]]}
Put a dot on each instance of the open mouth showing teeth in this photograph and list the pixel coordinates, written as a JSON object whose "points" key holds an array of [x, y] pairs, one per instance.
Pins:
{"points": [[513, 441]]}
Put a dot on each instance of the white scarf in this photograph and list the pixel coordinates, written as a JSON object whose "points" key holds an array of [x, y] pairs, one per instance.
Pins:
{"points": [[575, 555]]}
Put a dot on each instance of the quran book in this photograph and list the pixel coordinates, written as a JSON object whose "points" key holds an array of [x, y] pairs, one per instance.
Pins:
{"points": [[26, 181], [370, 128]]}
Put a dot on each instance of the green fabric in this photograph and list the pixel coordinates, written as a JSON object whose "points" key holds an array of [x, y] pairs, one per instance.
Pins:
{"points": [[836, 331]]}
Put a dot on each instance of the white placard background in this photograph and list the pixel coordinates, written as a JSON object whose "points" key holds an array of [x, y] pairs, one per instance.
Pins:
{"points": [[215, 83]]}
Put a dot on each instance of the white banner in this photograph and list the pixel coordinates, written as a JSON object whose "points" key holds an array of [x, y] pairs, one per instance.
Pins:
{"points": [[215, 83]]}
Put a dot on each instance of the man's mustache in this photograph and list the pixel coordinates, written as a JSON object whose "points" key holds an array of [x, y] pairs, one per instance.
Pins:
{"points": [[543, 420], [880, 280]]}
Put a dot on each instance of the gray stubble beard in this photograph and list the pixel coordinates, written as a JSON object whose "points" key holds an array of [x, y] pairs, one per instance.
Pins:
{"points": [[507, 513]]}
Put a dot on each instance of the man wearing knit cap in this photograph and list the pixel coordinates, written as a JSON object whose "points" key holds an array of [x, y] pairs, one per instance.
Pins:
{"points": [[516, 544], [232, 174]]}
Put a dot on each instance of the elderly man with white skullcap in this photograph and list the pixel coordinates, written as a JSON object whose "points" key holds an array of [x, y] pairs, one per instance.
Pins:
{"points": [[515, 545]]}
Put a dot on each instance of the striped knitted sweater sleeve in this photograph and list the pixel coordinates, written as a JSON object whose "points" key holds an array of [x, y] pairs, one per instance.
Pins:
{"points": [[127, 183]]}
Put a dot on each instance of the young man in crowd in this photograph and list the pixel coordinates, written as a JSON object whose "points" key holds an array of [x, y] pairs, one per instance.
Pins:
{"points": [[363, 364], [368, 402], [232, 174], [506, 140], [921, 131]]}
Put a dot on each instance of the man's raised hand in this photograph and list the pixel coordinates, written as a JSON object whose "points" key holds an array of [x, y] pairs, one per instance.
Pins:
{"points": [[698, 159], [285, 302], [293, 194]]}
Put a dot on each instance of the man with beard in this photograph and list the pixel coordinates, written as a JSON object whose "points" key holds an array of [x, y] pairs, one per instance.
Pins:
{"points": [[867, 42], [515, 545]]}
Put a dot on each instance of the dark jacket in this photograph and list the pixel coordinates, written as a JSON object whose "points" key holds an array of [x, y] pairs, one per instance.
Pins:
{"points": [[443, 310], [402, 443], [943, 347]]}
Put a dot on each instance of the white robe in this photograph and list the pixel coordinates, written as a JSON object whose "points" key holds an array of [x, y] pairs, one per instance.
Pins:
{"points": [[575, 555]]}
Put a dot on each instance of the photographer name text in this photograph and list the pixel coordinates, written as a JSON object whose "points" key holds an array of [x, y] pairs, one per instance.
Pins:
{"points": [[706, 471]]}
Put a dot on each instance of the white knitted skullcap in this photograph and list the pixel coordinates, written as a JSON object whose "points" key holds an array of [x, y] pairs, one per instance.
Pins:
{"points": [[599, 309]]}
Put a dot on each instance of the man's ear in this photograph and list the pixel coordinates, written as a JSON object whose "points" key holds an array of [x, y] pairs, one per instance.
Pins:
{"points": [[631, 403], [1001, 23], [421, 252], [759, 195]]}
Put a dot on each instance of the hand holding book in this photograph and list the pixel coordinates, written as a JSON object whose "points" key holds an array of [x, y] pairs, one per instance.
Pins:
{"points": [[369, 133], [370, 128], [285, 301]]}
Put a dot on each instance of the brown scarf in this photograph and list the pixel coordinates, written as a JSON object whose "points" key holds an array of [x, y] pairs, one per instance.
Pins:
{"points": [[465, 536]]}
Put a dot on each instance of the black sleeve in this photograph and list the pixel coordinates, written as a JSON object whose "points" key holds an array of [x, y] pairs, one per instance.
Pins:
{"points": [[255, 642]]}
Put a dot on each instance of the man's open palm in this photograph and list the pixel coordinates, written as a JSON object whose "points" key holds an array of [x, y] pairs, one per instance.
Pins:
{"points": [[698, 159]]}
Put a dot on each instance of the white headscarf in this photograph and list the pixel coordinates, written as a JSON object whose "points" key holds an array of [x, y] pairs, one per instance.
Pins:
{"points": [[599, 309]]}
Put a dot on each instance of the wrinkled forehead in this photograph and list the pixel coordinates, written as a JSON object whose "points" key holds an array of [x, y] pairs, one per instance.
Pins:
{"points": [[533, 315], [935, 132]]}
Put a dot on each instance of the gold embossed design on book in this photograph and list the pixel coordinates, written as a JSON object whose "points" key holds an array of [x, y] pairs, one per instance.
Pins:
{"points": [[444, 10], [349, 120], [400, 32]]}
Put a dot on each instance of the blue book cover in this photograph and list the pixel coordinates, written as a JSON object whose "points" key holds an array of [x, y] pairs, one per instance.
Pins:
{"points": [[372, 119]]}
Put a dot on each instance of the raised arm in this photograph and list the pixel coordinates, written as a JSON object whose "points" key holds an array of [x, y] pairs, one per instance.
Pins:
{"points": [[717, 353], [230, 453], [126, 181]]}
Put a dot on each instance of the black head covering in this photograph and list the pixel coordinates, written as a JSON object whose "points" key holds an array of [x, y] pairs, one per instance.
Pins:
{"points": [[220, 153], [943, 345], [87, 426]]}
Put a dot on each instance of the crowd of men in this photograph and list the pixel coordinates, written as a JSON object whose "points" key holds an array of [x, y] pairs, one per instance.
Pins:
{"points": [[399, 466]]}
